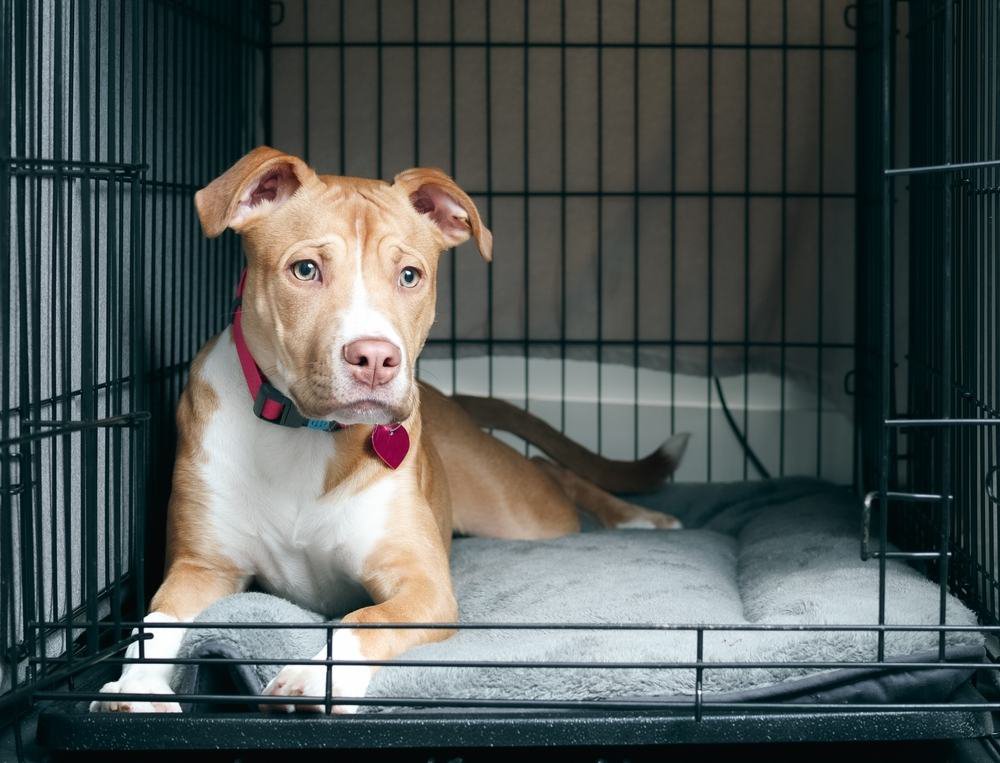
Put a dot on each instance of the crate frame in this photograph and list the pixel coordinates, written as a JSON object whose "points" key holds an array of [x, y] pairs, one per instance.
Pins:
{"points": [[925, 490]]}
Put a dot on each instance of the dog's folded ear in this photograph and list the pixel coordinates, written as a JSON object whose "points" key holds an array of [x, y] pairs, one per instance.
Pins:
{"points": [[434, 194], [253, 187]]}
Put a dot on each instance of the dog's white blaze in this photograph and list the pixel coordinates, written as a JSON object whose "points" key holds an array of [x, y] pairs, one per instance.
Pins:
{"points": [[267, 508], [363, 321]]}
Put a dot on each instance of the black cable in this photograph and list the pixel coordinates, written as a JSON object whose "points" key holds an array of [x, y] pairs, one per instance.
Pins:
{"points": [[761, 470]]}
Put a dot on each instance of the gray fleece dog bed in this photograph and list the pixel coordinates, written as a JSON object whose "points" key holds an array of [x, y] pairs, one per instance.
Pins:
{"points": [[783, 551]]}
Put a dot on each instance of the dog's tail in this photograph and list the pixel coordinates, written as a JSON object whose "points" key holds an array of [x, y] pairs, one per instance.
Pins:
{"points": [[640, 476]]}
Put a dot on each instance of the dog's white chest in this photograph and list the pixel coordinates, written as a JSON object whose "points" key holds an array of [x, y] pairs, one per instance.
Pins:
{"points": [[268, 510]]}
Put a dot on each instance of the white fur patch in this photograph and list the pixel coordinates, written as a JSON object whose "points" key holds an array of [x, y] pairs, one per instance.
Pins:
{"points": [[362, 320], [674, 447], [310, 680], [636, 523], [349, 680], [146, 678], [268, 510]]}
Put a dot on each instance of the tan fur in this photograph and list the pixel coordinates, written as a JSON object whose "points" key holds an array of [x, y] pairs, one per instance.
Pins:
{"points": [[413, 179], [609, 510], [641, 476], [195, 574], [456, 477], [409, 578], [495, 491]]}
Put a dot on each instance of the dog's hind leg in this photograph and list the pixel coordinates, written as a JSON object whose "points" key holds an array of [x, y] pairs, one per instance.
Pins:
{"points": [[644, 475], [612, 512]]}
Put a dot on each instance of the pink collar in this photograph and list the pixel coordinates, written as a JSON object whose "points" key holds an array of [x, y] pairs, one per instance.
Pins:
{"points": [[390, 443], [268, 403]]}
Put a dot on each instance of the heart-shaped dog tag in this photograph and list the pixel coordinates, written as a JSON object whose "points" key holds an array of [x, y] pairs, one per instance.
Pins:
{"points": [[391, 444]]}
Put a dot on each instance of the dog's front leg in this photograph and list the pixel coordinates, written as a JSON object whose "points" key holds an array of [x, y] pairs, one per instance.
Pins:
{"points": [[408, 587], [190, 586]]}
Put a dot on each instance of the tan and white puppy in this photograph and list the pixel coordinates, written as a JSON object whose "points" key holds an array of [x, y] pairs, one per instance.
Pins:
{"points": [[339, 298]]}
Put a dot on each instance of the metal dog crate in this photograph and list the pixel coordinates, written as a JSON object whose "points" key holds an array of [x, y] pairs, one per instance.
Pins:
{"points": [[834, 165]]}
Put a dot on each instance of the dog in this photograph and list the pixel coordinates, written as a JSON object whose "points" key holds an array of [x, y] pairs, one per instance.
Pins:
{"points": [[309, 459]]}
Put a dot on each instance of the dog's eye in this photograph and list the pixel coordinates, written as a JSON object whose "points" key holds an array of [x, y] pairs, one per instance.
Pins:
{"points": [[306, 270], [409, 277]]}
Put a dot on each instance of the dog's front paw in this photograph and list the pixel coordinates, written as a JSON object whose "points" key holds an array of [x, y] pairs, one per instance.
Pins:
{"points": [[310, 680], [135, 685]]}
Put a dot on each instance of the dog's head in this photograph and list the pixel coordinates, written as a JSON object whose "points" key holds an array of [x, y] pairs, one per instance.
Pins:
{"points": [[341, 279]]}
